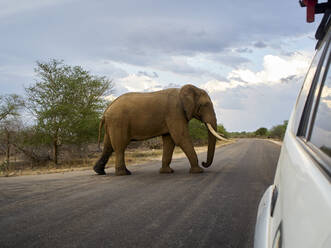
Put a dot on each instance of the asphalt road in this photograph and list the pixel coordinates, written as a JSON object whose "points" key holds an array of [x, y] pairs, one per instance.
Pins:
{"points": [[80, 209]]}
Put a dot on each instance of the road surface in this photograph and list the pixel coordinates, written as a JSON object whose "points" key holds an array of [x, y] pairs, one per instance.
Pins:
{"points": [[80, 209]]}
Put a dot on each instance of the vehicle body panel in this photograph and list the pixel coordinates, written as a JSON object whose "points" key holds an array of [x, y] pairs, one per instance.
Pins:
{"points": [[302, 212]]}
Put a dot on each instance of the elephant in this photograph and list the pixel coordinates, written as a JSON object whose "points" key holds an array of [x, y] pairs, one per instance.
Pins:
{"points": [[139, 116]]}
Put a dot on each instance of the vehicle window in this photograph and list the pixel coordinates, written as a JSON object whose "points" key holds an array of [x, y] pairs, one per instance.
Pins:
{"points": [[314, 126], [321, 130], [301, 102], [316, 91]]}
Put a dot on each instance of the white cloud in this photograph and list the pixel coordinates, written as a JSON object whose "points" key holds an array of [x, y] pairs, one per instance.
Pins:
{"points": [[326, 96], [248, 108], [141, 83], [249, 100], [110, 97], [216, 85], [275, 70]]}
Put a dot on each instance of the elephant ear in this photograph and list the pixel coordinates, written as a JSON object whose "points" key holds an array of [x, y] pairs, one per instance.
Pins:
{"points": [[187, 96]]}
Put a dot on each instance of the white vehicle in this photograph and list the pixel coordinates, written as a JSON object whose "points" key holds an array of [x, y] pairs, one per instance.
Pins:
{"points": [[295, 212]]}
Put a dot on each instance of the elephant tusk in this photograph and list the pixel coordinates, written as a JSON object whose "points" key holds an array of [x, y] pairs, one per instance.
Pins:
{"points": [[211, 129]]}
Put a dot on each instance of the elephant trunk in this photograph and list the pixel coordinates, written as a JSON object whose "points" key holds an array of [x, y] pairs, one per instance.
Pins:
{"points": [[211, 145]]}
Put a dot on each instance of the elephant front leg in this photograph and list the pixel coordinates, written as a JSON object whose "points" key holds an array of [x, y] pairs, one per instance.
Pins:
{"points": [[189, 151], [168, 149], [120, 168], [182, 138]]}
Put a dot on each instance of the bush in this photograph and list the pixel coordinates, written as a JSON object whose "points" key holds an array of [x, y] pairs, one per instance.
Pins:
{"points": [[198, 132], [221, 129], [154, 143], [262, 131], [278, 132]]}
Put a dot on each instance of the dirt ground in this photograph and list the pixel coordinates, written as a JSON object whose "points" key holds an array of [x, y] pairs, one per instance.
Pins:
{"points": [[132, 157]]}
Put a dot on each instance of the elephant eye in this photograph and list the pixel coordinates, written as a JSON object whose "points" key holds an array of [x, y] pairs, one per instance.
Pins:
{"points": [[199, 108]]}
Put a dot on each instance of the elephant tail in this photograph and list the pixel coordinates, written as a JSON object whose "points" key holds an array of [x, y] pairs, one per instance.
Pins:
{"points": [[100, 127]]}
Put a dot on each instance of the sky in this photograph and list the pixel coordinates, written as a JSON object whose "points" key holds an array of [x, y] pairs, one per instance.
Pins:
{"points": [[250, 56]]}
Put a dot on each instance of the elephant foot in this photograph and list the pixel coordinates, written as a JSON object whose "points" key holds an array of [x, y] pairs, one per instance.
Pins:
{"points": [[196, 169], [166, 170], [99, 171], [122, 172]]}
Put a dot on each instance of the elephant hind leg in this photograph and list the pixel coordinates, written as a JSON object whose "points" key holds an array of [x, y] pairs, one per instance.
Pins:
{"points": [[120, 140], [99, 166], [120, 168], [168, 149]]}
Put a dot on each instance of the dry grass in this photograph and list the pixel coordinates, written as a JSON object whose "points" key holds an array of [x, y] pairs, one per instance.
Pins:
{"points": [[132, 157]]}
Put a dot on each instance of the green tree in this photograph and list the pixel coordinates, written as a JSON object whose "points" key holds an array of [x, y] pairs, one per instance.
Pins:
{"points": [[262, 131], [10, 105], [198, 131], [279, 131], [67, 102], [221, 129]]}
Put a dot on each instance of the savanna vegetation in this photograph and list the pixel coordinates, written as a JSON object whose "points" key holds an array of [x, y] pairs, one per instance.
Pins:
{"points": [[55, 124], [276, 132], [199, 134], [56, 121]]}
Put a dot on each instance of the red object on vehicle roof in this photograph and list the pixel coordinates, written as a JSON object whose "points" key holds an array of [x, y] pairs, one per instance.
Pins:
{"points": [[310, 4], [313, 8]]}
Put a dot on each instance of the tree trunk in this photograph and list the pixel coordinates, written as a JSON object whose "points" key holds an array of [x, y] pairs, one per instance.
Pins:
{"points": [[55, 151], [8, 148]]}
